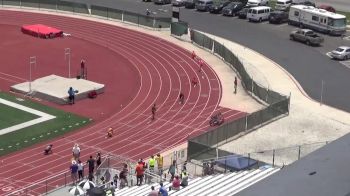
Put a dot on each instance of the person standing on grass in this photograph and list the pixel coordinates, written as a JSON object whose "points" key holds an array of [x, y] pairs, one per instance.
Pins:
{"points": [[76, 151], [80, 170], [235, 84], [91, 164], [74, 171], [154, 109]]}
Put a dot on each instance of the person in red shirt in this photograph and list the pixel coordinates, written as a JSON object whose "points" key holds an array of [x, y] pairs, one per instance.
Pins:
{"points": [[193, 55], [194, 82], [139, 173], [176, 183]]}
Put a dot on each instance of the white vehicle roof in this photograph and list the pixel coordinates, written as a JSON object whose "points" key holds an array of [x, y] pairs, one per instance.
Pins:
{"points": [[260, 8], [344, 47], [317, 11]]}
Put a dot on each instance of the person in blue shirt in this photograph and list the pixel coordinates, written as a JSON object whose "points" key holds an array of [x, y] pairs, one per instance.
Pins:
{"points": [[162, 190], [71, 95]]}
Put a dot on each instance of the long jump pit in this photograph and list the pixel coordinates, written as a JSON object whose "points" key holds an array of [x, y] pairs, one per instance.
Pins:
{"points": [[55, 88]]}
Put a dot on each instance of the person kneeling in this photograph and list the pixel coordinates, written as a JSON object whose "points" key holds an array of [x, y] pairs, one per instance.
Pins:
{"points": [[110, 132], [48, 149]]}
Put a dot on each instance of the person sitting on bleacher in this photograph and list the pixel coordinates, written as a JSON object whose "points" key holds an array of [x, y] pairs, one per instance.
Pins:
{"points": [[162, 190], [153, 192], [184, 177], [176, 184]]}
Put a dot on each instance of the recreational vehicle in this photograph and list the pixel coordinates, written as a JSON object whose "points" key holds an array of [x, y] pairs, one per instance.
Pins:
{"points": [[317, 19]]}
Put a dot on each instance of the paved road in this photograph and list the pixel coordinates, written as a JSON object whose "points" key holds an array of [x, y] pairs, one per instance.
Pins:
{"points": [[309, 65]]}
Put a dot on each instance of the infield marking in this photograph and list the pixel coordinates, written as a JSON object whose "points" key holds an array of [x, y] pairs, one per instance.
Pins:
{"points": [[43, 117]]}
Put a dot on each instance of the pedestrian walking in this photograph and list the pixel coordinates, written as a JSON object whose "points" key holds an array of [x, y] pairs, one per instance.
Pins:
{"points": [[98, 160], [74, 171], [235, 84], [154, 109], [71, 95], [80, 170], [91, 164], [181, 98], [172, 170], [76, 151]]}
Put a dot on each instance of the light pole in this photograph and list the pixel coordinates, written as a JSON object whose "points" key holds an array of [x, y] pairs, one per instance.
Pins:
{"points": [[32, 61], [67, 53]]}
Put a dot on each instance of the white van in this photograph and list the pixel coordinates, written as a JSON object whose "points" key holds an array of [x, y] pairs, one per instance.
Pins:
{"points": [[283, 4], [252, 3], [259, 13]]}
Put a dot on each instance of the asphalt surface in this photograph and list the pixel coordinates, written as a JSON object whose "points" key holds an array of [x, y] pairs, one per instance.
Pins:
{"points": [[309, 65]]}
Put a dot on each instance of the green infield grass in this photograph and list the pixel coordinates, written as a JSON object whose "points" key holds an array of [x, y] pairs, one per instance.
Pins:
{"points": [[63, 123], [10, 116]]}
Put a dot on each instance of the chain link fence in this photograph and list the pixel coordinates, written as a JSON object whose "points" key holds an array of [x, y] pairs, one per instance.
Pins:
{"points": [[205, 145]]}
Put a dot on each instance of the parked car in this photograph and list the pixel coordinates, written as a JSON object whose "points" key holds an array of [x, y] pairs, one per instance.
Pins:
{"points": [[259, 13], [190, 4], [243, 13], [257, 2], [203, 5], [178, 3], [232, 9], [341, 53], [162, 1], [278, 17], [283, 4], [327, 7], [307, 36], [217, 6]]}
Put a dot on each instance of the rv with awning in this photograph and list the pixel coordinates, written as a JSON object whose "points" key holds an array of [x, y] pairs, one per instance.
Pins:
{"points": [[317, 19]]}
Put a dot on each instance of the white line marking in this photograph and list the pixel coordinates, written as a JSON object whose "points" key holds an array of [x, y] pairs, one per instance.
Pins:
{"points": [[43, 117]]}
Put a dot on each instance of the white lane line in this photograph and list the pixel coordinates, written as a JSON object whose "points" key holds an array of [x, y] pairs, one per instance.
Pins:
{"points": [[43, 117]]}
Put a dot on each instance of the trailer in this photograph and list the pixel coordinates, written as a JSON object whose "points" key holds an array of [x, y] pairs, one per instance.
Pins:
{"points": [[317, 19]]}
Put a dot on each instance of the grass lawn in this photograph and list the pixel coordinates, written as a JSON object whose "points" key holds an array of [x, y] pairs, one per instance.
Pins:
{"points": [[10, 116], [63, 123]]}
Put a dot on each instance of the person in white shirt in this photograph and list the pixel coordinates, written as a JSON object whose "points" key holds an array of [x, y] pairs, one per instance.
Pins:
{"points": [[76, 151]]}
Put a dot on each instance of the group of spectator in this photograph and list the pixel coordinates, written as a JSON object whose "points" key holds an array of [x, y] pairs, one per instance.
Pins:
{"points": [[77, 166], [142, 166]]}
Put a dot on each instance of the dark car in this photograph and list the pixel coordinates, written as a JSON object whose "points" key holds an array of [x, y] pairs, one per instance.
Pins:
{"points": [[278, 17], [216, 8], [232, 8], [190, 4], [308, 3], [243, 13]]}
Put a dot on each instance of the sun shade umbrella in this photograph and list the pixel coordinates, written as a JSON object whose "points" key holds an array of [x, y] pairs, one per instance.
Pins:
{"points": [[87, 184], [76, 190]]}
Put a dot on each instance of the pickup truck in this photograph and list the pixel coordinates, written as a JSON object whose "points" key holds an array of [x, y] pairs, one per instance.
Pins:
{"points": [[307, 36]]}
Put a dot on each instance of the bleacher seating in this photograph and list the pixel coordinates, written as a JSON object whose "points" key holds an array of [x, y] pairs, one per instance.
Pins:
{"points": [[221, 184]]}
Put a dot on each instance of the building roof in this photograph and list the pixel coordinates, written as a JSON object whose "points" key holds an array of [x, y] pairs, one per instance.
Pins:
{"points": [[324, 172]]}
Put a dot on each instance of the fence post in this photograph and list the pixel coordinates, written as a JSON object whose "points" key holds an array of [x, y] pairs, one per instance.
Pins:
{"points": [[122, 16], [65, 179], [46, 187], [248, 160], [267, 94], [246, 122], [290, 94], [252, 86], [299, 149], [273, 157]]}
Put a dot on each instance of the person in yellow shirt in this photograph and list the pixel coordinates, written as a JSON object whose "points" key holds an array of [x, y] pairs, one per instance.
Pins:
{"points": [[159, 160], [151, 163]]}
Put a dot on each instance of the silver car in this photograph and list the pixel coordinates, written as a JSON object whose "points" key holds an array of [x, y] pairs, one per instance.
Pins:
{"points": [[341, 53]]}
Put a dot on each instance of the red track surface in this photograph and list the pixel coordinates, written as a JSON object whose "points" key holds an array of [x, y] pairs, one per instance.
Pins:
{"points": [[164, 70]]}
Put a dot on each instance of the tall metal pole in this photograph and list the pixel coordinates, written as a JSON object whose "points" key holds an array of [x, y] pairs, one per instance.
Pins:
{"points": [[67, 53], [32, 61], [322, 92]]}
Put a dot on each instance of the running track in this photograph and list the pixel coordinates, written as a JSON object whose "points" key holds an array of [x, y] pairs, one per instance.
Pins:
{"points": [[165, 70]]}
